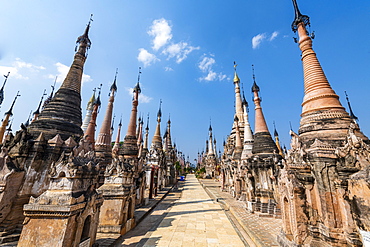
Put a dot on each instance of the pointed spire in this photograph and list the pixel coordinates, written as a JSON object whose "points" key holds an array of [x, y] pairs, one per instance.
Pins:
{"points": [[277, 141], [116, 144], [51, 94], [89, 109], [299, 18], [318, 93], [130, 147], [103, 143], [320, 102], [248, 134], [157, 139], [28, 119], [5, 122], [2, 88], [10, 112], [238, 99], [146, 134], [238, 140], [37, 112], [62, 115], [351, 114], [89, 134], [263, 142], [168, 135], [113, 88], [260, 123]]}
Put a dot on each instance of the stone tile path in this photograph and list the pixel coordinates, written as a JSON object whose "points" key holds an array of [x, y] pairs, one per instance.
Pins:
{"points": [[263, 231], [194, 220]]}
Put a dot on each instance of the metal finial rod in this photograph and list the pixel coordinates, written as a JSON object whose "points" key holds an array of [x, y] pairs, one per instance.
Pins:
{"points": [[6, 79], [42, 97], [138, 77], [254, 77], [90, 20], [235, 65], [112, 128], [11, 108], [290, 124], [352, 115], [299, 17], [99, 88]]}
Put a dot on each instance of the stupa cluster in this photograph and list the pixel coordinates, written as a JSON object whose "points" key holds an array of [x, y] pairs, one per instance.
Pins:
{"points": [[60, 186], [320, 187]]}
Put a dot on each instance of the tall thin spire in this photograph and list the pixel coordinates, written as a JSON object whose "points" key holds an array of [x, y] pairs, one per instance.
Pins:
{"points": [[260, 122], [277, 141], [48, 99], [8, 114], [116, 144], [157, 139], [37, 112], [62, 115], [168, 138], [2, 88], [130, 147], [238, 140], [248, 134], [211, 150], [89, 109], [145, 147], [351, 114], [91, 128], [320, 102], [318, 93], [263, 142], [238, 98], [103, 143]]}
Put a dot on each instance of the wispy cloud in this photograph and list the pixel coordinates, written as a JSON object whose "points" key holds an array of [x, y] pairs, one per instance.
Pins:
{"points": [[20, 69], [259, 38], [168, 68], [180, 51], [142, 97], [206, 66], [63, 71], [161, 30], [146, 58], [274, 35]]}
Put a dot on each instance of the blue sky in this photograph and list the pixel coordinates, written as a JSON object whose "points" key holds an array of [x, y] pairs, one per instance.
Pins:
{"points": [[186, 50]]}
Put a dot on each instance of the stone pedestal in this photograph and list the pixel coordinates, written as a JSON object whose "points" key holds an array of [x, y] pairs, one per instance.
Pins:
{"points": [[117, 212], [67, 213]]}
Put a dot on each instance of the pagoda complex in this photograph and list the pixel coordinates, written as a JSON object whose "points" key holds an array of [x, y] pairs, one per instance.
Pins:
{"points": [[59, 184]]}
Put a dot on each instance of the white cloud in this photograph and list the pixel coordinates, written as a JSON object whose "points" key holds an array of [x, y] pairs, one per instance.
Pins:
{"points": [[206, 66], [146, 58], [180, 51], [161, 31], [256, 40], [206, 63], [168, 68], [63, 71], [274, 35], [142, 97], [259, 38], [20, 69]]}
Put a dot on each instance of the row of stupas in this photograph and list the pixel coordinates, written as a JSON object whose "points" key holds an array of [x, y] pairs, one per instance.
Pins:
{"points": [[61, 183], [319, 187]]}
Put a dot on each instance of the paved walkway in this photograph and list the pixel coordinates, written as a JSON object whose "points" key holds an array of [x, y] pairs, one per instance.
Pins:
{"points": [[263, 231], [194, 220]]}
